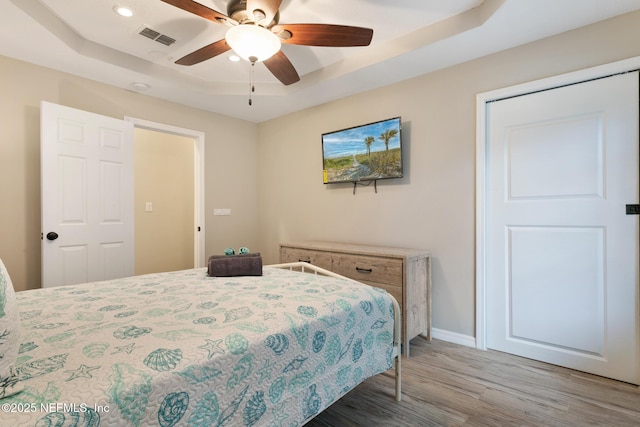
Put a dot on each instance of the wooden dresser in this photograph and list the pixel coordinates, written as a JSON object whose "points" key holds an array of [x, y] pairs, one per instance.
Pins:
{"points": [[404, 273]]}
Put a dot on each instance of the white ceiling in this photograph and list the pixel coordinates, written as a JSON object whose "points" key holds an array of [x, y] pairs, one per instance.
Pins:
{"points": [[411, 37]]}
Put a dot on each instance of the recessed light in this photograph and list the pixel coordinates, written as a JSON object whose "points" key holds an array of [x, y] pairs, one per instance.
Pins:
{"points": [[139, 86], [123, 11], [234, 58]]}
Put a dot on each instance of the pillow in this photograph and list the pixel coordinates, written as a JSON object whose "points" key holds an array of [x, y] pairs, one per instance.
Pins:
{"points": [[235, 265], [9, 335]]}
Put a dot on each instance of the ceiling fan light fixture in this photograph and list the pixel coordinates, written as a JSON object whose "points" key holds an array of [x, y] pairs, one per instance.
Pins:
{"points": [[252, 42]]}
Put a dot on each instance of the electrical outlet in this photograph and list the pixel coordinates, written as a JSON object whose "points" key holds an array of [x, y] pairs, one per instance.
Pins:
{"points": [[148, 207]]}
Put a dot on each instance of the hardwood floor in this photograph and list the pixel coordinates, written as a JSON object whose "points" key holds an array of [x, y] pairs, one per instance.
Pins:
{"points": [[445, 384]]}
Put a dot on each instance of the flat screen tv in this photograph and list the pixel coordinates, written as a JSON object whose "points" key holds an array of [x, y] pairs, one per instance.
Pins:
{"points": [[363, 153]]}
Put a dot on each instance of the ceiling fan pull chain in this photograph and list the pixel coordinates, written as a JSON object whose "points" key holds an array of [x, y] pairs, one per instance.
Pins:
{"points": [[252, 87]]}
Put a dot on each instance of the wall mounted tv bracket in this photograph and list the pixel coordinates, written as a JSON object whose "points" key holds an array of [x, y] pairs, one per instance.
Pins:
{"points": [[375, 185]]}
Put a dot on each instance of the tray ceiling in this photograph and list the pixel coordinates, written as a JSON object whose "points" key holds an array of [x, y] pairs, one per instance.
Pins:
{"points": [[88, 39]]}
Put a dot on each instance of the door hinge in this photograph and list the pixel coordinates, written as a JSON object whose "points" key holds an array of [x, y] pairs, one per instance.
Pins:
{"points": [[633, 209]]}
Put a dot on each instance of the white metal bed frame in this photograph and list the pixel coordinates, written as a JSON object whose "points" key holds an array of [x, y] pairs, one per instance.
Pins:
{"points": [[310, 268]]}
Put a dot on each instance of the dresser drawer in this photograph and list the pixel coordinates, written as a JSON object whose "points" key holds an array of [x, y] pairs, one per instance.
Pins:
{"points": [[369, 269], [319, 258]]}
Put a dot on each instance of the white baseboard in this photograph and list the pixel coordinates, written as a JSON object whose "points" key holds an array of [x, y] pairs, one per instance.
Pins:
{"points": [[453, 337]]}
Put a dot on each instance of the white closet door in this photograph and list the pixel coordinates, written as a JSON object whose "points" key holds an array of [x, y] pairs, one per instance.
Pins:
{"points": [[562, 254]]}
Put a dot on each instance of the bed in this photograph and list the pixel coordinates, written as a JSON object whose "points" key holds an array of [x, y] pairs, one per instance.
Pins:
{"points": [[186, 349]]}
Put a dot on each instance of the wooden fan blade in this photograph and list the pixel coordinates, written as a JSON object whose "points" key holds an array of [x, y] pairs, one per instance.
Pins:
{"points": [[282, 68], [269, 7], [200, 10], [204, 53], [324, 35]]}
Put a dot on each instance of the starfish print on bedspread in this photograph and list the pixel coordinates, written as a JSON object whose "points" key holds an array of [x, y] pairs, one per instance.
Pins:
{"points": [[330, 305], [213, 347], [265, 371], [125, 348], [82, 372]]}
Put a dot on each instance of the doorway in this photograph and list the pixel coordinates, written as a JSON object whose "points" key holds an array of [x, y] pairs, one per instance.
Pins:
{"points": [[163, 201], [196, 141]]}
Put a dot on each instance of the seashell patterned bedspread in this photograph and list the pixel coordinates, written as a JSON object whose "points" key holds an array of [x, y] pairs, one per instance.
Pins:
{"points": [[185, 349]]}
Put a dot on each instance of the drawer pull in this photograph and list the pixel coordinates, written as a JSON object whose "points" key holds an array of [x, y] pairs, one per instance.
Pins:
{"points": [[364, 270]]}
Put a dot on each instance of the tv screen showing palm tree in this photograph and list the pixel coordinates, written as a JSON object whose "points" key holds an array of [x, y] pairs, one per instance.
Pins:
{"points": [[363, 153]]}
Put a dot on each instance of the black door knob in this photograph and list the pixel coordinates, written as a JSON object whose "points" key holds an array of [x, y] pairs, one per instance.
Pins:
{"points": [[52, 235]]}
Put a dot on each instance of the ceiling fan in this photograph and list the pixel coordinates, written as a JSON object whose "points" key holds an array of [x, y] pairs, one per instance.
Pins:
{"points": [[255, 34]]}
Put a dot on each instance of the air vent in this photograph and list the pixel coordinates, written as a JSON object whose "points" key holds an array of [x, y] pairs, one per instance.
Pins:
{"points": [[154, 35], [165, 40], [149, 33]]}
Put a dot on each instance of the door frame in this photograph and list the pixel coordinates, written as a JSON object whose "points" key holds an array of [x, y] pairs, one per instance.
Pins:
{"points": [[482, 100], [198, 157]]}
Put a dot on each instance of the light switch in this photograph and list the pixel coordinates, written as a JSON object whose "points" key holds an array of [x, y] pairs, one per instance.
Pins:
{"points": [[148, 207], [222, 211]]}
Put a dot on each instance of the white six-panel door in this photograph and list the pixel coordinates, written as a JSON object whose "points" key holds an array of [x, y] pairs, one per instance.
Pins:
{"points": [[561, 253], [87, 196]]}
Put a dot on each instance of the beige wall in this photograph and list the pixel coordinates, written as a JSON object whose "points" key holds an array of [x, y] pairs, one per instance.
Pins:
{"points": [[164, 177], [230, 147], [433, 207], [281, 197]]}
